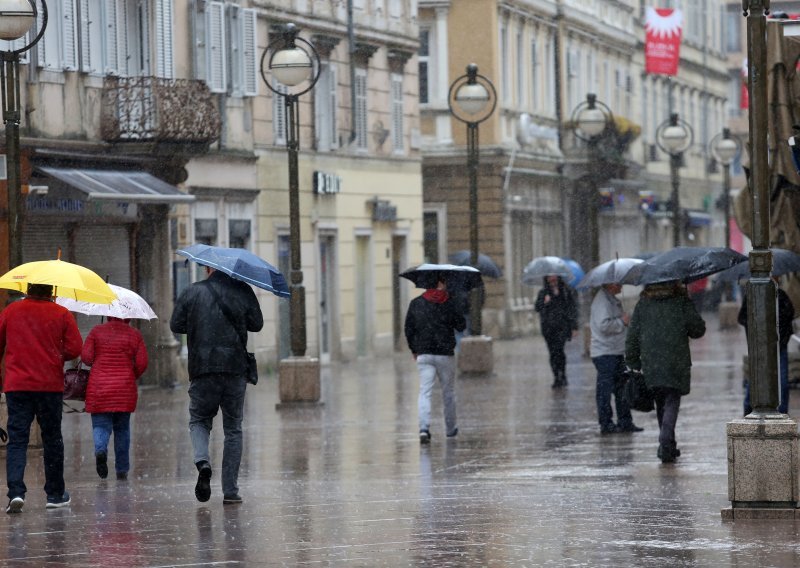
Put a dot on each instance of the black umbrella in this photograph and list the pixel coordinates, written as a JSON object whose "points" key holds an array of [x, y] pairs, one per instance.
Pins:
{"points": [[683, 263], [485, 264], [427, 276], [783, 262]]}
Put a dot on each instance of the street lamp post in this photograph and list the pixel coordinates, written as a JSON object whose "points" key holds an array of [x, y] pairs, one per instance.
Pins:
{"points": [[725, 149], [17, 17], [674, 136], [472, 99], [293, 62], [590, 119]]}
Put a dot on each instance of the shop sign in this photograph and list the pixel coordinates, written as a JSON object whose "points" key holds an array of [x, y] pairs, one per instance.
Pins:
{"points": [[50, 205], [325, 183]]}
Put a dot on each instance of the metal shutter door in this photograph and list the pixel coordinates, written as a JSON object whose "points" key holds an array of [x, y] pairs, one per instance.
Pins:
{"points": [[41, 240], [106, 250]]}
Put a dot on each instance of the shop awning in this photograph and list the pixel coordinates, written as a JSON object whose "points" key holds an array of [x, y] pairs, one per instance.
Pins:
{"points": [[117, 185], [699, 219]]}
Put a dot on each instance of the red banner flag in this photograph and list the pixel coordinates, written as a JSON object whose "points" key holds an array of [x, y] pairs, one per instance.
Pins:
{"points": [[744, 97], [663, 28]]}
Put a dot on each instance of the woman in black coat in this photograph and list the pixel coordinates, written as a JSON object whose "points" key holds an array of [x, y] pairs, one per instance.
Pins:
{"points": [[558, 313]]}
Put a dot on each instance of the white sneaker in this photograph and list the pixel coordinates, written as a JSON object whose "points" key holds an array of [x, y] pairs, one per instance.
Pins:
{"points": [[15, 505]]}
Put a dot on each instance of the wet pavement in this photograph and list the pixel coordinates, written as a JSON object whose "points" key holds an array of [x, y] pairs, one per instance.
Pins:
{"points": [[528, 482]]}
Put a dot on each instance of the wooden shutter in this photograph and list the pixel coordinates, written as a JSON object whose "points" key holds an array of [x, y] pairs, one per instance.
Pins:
{"points": [[215, 45], [333, 78], [361, 109], [69, 36], [250, 62], [40, 47], [397, 112], [164, 57], [111, 63], [279, 116]]}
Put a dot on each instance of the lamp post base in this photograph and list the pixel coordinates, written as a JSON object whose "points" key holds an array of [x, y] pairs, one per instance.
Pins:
{"points": [[763, 461], [476, 355], [298, 380]]}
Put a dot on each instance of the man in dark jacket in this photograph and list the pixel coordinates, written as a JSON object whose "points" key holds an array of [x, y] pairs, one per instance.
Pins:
{"points": [[785, 318], [36, 337], [217, 370], [431, 323], [658, 344]]}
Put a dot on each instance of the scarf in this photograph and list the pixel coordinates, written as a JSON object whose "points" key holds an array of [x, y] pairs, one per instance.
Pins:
{"points": [[436, 296]]}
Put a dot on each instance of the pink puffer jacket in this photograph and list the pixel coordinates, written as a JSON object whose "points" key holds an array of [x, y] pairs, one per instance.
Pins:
{"points": [[118, 357]]}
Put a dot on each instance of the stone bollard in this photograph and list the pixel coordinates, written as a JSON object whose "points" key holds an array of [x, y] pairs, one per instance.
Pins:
{"points": [[299, 381], [476, 355], [728, 315]]}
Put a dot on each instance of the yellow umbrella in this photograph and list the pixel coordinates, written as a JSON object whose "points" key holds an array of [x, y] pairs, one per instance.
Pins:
{"points": [[68, 280]]}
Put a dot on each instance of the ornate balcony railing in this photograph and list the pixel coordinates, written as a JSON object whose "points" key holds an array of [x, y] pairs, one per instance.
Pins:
{"points": [[149, 109]]}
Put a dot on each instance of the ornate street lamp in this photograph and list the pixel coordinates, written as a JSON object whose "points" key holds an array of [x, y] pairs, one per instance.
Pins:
{"points": [[590, 119], [674, 136], [472, 100], [17, 17], [293, 62], [725, 149]]}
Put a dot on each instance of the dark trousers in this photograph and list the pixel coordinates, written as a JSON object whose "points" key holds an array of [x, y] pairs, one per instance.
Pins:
{"points": [[783, 364], [668, 403], [23, 407], [610, 369], [558, 360]]}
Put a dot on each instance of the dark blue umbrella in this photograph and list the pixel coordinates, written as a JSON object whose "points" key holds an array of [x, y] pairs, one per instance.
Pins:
{"points": [[783, 262], [485, 264], [240, 264], [683, 263]]}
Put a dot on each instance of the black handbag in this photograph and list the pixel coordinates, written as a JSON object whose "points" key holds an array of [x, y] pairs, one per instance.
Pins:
{"points": [[250, 358], [636, 391], [75, 382]]}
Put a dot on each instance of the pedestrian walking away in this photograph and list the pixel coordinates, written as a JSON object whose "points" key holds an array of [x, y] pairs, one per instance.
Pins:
{"points": [[558, 314], [608, 323], [118, 356], [216, 314], [785, 330], [430, 326], [658, 344], [36, 337]]}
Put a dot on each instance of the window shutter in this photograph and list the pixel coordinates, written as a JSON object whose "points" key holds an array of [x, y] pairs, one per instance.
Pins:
{"points": [[215, 42], [320, 100], [279, 115], [69, 36], [164, 58], [249, 55], [86, 25], [361, 109], [397, 112], [333, 84], [40, 51], [235, 64], [122, 38], [112, 58]]}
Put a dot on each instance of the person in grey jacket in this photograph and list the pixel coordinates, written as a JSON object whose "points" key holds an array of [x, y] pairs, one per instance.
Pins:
{"points": [[431, 323], [217, 370], [609, 324], [663, 321]]}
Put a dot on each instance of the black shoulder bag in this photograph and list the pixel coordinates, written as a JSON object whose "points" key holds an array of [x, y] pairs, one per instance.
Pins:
{"points": [[250, 358]]}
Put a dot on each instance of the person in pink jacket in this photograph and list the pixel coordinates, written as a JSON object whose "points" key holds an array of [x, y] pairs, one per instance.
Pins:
{"points": [[118, 357]]}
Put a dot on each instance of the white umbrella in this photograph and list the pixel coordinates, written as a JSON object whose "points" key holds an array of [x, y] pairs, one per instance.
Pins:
{"points": [[128, 305], [611, 272], [543, 266]]}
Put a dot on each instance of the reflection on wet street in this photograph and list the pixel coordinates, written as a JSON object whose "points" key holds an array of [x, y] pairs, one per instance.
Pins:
{"points": [[528, 482]]}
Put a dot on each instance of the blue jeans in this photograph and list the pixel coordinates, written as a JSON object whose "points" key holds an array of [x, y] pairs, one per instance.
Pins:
{"points": [[610, 369], [23, 406], [783, 365], [103, 423], [207, 395]]}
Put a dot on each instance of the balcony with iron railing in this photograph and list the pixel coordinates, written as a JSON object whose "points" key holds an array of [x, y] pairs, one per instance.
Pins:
{"points": [[159, 111]]}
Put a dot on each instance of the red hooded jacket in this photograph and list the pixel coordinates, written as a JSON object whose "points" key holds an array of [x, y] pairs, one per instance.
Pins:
{"points": [[37, 336], [118, 357]]}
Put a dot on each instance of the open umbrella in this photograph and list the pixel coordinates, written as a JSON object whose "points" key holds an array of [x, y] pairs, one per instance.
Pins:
{"points": [[239, 264], [576, 270], [783, 262], [610, 272], [128, 305], [68, 280], [543, 266], [485, 264], [427, 276], [683, 263]]}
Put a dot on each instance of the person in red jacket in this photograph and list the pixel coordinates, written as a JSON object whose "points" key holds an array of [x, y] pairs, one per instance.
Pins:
{"points": [[118, 357], [36, 337]]}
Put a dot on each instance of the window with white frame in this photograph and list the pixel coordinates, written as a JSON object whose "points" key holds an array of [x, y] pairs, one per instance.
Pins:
{"points": [[226, 48], [279, 115], [505, 79], [397, 113], [325, 105], [424, 62], [58, 49], [396, 8], [361, 117], [573, 77]]}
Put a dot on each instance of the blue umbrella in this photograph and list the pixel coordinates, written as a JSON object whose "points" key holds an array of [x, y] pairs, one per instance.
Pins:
{"points": [[485, 264], [783, 262], [577, 271], [240, 264]]}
